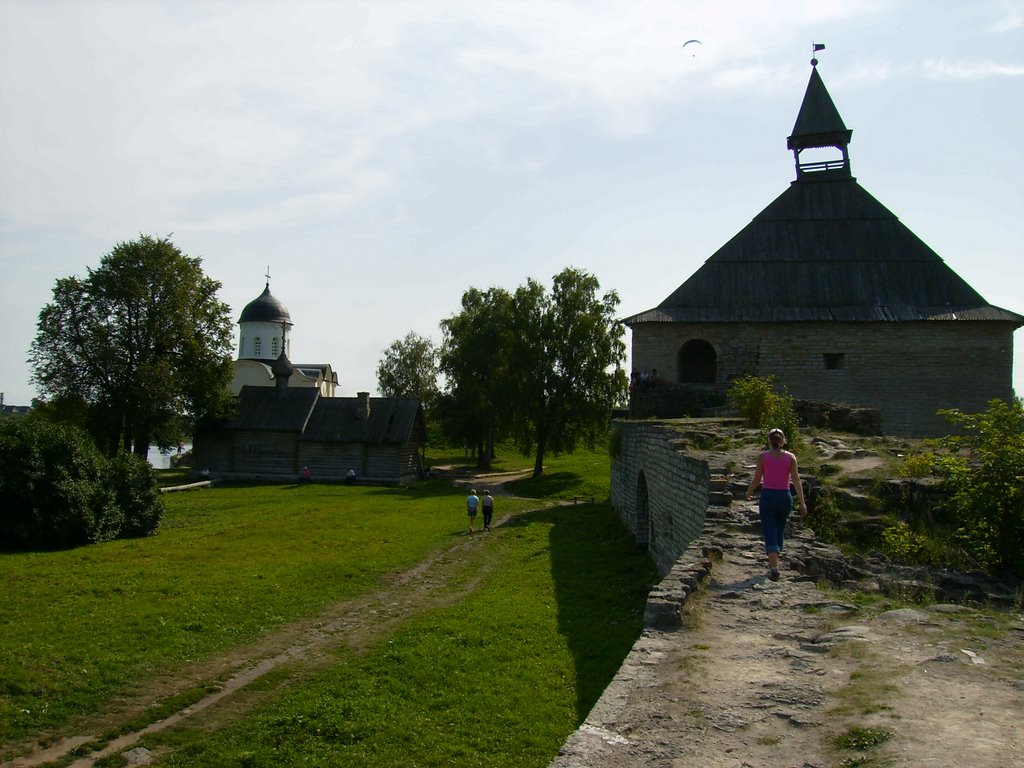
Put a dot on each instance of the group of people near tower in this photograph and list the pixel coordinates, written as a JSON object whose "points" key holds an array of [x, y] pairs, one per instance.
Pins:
{"points": [[641, 381]]}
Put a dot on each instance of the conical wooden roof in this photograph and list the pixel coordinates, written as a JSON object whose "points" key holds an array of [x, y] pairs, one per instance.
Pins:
{"points": [[824, 249], [818, 123]]}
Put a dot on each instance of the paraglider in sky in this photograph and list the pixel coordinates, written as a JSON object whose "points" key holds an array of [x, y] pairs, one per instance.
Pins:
{"points": [[698, 42]]}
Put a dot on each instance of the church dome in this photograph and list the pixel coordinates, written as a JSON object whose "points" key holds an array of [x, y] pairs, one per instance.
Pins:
{"points": [[265, 309]]}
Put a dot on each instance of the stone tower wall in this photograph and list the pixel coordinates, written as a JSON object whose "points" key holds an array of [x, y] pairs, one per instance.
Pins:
{"points": [[907, 370]]}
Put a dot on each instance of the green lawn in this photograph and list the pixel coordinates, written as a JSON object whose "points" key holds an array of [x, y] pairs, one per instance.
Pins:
{"points": [[499, 677], [583, 475]]}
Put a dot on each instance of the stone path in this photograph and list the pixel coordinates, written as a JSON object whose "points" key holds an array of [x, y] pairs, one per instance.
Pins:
{"points": [[763, 674]]}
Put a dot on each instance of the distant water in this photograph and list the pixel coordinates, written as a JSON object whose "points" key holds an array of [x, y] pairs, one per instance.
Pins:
{"points": [[163, 460]]}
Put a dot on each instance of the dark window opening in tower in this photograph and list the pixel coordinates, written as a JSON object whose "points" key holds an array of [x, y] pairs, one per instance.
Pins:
{"points": [[834, 361], [698, 363]]}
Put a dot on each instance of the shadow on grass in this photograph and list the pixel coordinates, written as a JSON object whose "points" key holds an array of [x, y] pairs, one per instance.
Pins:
{"points": [[554, 485], [602, 579], [423, 489]]}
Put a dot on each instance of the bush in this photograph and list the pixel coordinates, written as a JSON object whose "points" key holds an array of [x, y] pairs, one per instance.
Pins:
{"points": [[917, 465], [987, 484], [900, 542], [752, 397], [758, 402], [826, 518], [135, 491], [57, 490]]}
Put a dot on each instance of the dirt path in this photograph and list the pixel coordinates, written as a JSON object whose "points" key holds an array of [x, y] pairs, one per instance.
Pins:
{"points": [[771, 675]]}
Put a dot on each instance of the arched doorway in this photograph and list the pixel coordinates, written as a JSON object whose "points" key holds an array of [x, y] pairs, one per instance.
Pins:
{"points": [[698, 363], [642, 514]]}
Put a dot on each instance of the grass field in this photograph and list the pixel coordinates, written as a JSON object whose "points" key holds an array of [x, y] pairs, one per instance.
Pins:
{"points": [[521, 635]]}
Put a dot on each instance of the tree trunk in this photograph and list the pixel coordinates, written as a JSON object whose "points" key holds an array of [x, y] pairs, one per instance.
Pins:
{"points": [[538, 465], [141, 440], [483, 458]]}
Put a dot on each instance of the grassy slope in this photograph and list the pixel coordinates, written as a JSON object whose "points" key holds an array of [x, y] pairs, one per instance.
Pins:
{"points": [[228, 564], [498, 679], [557, 614]]}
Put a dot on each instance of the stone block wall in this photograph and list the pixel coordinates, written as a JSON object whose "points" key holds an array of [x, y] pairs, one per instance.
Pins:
{"points": [[906, 370], [659, 491]]}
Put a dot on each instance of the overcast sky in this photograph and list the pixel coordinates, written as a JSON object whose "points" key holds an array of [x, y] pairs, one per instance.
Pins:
{"points": [[382, 157]]}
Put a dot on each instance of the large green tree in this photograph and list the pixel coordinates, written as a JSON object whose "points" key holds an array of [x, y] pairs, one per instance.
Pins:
{"points": [[141, 342], [474, 358], [544, 368], [408, 368], [568, 358]]}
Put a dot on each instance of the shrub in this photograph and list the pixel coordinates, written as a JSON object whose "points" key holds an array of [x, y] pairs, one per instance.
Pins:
{"points": [[826, 518], [900, 542], [987, 484], [758, 402], [752, 396], [57, 490], [917, 465], [135, 490]]}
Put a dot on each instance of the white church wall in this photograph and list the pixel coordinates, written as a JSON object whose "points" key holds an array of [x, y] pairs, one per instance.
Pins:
{"points": [[262, 341], [250, 373]]}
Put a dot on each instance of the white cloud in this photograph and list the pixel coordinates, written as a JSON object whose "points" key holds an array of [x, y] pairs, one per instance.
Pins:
{"points": [[942, 69], [1011, 18], [159, 108]]}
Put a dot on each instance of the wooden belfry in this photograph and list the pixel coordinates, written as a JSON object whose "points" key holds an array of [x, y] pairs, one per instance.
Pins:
{"points": [[818, 125]]}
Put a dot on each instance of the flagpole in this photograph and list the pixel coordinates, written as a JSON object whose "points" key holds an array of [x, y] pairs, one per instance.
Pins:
{"points": [[815, 47]]}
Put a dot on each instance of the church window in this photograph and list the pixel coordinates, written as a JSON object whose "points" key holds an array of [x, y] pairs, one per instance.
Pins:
{"points": [[834, 361], [256, 346], [273, 346]]}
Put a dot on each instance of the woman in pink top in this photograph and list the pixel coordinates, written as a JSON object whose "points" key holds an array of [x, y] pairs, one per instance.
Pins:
{"points": [[776, 470]]}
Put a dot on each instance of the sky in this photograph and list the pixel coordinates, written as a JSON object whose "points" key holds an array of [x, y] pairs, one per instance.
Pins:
{"points": [[380, 158]]}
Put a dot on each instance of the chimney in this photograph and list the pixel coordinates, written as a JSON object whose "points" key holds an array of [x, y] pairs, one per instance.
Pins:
{"points": [[363, 406]]}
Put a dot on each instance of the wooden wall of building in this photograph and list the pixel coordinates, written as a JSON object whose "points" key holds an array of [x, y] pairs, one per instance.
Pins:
{"points": [[266, 453]]}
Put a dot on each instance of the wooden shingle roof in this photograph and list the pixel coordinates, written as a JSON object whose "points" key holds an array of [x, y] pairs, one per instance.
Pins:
{"points": [[391, 420], [264, 408], [328, 419]]}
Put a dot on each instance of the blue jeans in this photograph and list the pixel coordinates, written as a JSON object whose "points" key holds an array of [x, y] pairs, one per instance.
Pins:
{"points": [[774, 506]]}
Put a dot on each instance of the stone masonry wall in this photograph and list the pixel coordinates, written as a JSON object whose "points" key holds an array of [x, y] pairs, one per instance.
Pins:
{"points": [[660, 493], [907, 370]]}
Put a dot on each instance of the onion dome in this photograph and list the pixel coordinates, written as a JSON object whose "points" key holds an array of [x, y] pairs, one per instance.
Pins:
{"points": [[282, 368], [265, 309]]}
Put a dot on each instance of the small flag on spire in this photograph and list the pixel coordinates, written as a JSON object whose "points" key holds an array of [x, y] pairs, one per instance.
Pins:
{"points": [[818, 47]]}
